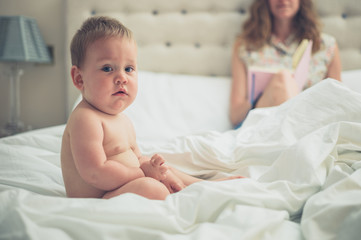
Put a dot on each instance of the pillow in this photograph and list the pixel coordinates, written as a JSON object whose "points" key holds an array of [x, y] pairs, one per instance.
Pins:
{"points": [[352, 79], [171, 105]]}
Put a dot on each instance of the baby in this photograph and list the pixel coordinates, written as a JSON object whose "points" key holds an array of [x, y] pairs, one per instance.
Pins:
{"points": [[100, 157]]}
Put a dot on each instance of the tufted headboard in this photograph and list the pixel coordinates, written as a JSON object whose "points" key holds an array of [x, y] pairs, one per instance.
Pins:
{"points": [[196, 36]]}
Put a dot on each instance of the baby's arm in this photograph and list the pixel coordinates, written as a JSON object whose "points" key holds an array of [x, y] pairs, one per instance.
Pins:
{"points": [[86, 140]]}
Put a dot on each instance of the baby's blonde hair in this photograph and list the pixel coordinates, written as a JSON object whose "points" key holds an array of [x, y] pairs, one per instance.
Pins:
{"points": [[95, 28]]}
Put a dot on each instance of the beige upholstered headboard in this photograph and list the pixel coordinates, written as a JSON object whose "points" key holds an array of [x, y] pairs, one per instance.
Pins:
{"points": [[196, 36]]}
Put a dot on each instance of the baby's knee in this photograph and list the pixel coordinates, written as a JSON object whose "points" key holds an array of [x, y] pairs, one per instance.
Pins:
{"points": [[153, 189]]}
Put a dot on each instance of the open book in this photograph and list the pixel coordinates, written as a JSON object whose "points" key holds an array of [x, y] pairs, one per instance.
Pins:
{"points": [[258, 77]]}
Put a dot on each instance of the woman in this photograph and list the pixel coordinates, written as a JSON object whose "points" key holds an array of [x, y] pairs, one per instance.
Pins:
{"points": [[269, 38]]}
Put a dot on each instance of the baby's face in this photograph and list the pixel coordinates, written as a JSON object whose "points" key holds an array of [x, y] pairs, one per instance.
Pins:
{"points": [[110, 74]]}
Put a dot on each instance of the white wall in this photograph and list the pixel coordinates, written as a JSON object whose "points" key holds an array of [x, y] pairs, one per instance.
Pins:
{"points": [[42, 87]]}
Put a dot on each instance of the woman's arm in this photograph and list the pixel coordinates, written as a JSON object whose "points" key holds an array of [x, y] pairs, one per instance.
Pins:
{"points": [[239, 104], [334, 68]]}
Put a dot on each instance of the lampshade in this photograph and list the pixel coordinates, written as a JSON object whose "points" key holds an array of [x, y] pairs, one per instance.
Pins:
{"points": [[21, 41]]}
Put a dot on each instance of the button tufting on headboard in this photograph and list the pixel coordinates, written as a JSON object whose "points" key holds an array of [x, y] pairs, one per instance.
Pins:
{"points": [[242, 11], [196, 37]]}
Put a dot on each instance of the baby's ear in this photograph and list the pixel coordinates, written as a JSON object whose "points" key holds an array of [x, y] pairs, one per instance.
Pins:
{"points": [[77, 77]]}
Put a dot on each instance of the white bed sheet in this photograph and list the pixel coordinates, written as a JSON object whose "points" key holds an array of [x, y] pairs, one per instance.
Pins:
{"points": [[302, 160]]}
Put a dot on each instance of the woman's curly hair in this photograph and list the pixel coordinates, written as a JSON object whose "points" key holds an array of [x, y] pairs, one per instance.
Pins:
{"points": [[257, 29]]}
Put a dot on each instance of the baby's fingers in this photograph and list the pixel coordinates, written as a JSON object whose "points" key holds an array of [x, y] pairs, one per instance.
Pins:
{"points": [[163, 168], [157, 160]]}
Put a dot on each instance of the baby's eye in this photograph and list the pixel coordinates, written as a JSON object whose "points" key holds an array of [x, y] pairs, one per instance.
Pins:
{"points": [[129, 69], [107, 69]]}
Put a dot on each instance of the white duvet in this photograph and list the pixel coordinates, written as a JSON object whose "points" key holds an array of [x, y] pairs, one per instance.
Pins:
{"points": [[301, 159]]}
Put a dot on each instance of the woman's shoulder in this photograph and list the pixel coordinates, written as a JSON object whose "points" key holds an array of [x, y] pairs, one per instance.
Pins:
{"points": [[327, 40], [328, 46], [242, 48]]}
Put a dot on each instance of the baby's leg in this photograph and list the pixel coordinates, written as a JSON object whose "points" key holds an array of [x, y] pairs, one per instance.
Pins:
{"points": [[187, 179], [229, 178], [145, 186]]}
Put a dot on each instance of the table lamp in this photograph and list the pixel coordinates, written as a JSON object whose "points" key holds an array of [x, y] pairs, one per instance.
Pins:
{"points": [[20, 42]]}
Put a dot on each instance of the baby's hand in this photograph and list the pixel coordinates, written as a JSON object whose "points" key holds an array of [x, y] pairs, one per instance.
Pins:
{"points": [[155, 167]]}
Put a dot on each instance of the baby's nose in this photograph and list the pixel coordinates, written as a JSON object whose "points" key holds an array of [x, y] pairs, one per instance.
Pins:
{"points": [[120, 80]]}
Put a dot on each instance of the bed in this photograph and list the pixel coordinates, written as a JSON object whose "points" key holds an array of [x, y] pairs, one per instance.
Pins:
{"points": [[301, 159]]}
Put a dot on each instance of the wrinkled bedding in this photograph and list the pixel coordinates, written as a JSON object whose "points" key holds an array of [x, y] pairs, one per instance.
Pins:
{"points": [[301, 161]]}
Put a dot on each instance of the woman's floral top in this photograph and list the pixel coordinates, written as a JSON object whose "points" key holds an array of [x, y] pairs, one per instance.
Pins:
{"points": [[279, 55]]}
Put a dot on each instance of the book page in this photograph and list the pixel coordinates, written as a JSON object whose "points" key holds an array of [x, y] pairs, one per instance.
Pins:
{"points": [[259, 77], [301, 72]]}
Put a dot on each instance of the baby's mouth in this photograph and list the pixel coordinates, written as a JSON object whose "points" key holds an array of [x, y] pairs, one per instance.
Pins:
{"points": [[121, 92]]}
